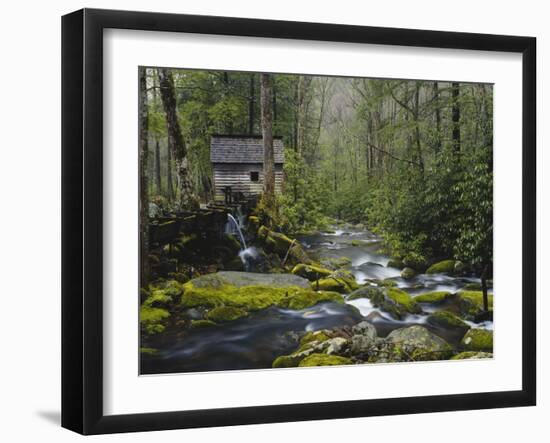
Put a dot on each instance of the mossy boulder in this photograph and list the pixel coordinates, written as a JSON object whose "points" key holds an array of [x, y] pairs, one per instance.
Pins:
{"points": [[335, 263], [288, 361], [341, 281], [314, 336], [477, 339], [447, 320], [408, 273], [416, 343], [415, 261], [442, 267], [216, 292], [471, 355], [221, 314], [471, 303], [199, 324], [284, 246], [433, 297], [395, 302], [240, 279], [368, 291], [324, 360], [152, 320], [311, 272], [356, 242], [154, 311], [148, 351], [403, 300], [396, 263]]}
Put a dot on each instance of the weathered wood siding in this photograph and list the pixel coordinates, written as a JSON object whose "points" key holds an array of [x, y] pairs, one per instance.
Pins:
{"points": [[238, 177]]}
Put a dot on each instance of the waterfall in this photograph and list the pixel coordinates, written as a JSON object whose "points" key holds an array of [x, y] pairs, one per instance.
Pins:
{"points": [[230, 218]]}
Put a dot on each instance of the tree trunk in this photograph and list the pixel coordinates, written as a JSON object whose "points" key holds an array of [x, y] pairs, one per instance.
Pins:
{"points": [[144, 274], [304, 83], [417, 127], [251, 99], [169, 182], [456, 117], [157, 168], [175, 140], [267, 136], [437, 145]]}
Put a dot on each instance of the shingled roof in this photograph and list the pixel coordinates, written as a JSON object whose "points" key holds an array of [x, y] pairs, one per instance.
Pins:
{"points": [[242, 149]]}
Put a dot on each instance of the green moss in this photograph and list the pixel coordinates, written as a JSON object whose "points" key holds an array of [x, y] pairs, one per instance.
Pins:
{"points": [[221, 314], [478, 340], [288, 361], [319, 336], [366, 292], [387, 283], [432, 297], [356, 243], [447, 319], [403, 299], [408, 273], [324, 360], [476, 297], [151, 319], [442, 267], [471, 302], [471, 354], [310, 272], [254, 298], [197, 324], [148, 351], [339, 281], [337, 263]]}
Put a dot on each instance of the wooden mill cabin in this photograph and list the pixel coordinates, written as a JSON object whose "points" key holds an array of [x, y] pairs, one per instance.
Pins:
{"points": [[237, 164]]}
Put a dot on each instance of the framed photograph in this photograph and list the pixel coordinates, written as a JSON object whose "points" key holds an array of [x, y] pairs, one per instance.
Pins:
{"points": [[270, 221]]}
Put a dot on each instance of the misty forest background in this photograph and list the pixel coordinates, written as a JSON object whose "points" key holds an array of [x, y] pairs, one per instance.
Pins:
{"points": [[411, 160]]}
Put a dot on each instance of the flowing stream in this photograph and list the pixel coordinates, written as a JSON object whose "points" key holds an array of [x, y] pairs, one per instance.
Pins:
{"points": [[255, 341]]}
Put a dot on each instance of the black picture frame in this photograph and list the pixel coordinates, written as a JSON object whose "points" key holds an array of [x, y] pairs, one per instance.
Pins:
{"points": [[82, 218]]}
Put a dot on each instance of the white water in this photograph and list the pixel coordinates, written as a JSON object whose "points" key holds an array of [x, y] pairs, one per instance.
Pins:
{"points": [[239, 230]]}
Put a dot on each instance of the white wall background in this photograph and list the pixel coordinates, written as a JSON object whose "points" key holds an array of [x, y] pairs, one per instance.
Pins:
{"points": [[30, 218]]}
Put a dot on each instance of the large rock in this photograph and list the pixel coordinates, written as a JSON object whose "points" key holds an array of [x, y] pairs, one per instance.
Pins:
{"points": [[324, 360], [447, 320], [477, 339], [408, 273], [252, 292], [471, 303], [339, 281], [367, 291], [240, 279], [442, 267], [363, 339], [311, 272], [285, 247], [395, 302], [418, 344]]}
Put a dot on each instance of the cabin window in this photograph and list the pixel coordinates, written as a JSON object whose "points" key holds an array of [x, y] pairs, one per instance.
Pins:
{"points": [[254, 176]]}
